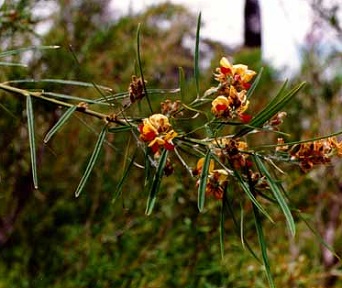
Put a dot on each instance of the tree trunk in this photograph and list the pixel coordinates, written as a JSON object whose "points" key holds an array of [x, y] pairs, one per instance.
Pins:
{"points": [[252, 19]]}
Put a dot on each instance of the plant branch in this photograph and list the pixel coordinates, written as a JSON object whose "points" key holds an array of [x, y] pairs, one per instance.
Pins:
{"points": [[80, 107]]}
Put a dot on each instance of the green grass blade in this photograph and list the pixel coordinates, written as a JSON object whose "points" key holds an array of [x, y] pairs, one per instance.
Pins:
{"points": [[255, 83], [203, 181], [140, 68], [92, 161], [21, 50], [123, 179], [277, 194], [60, 123], [263, 247], [30, 124], [156, 182], [196, 62], [274, 106]]}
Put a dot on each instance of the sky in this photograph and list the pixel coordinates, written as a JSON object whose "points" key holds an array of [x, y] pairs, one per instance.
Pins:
{"points": [[284, 27]]}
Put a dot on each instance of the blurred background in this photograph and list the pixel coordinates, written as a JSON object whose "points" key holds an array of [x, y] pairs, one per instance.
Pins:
{"points": [[48, 238]]}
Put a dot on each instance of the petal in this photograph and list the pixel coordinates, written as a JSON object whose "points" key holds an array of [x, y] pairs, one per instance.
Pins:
{"points": [[169, 146], [221, 103], [224, 62]]}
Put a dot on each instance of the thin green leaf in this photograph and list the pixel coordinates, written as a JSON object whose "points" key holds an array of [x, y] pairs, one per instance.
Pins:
{"points": [[30, 124], [156, 182], [120, 129], [196, 62], [270, 110], [123, 179], [255, 84], [203, 181], [21, 50], [262, 243], [73, 98], [280, 94], [92, 161], [60, 123], [238, 228], [302, 141], [181, 80], [147, 171], [12, 64], [250, 195], [9, 112], [140, 68], [61, 81], [277, 194]]}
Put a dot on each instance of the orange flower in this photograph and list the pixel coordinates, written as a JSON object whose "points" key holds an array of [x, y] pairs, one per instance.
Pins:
{"points": [[229, 106], [237, 75], [221, 106], [157, 131]]}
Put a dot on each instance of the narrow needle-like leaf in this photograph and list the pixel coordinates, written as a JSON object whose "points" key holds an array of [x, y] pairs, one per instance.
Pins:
{"points": [[60, 123], [156, 182], [203, 181], [262, 243], [255, 84], [123, 178], [92, 161], [274, 106], [30, 124], [196, 62], [140, 68], [278, 195], [250, 195], [21, 50]]}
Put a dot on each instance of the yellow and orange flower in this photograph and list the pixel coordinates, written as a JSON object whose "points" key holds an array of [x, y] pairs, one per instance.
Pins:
{"points": [[237, 75], [221, 106], [157, 132], [233, 104]]}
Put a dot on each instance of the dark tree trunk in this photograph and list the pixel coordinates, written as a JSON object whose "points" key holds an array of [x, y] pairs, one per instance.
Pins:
{"points": [[252, 19]]}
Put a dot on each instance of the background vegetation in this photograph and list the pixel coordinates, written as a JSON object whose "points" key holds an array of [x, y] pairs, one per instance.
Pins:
{"points": [[48, 238]]}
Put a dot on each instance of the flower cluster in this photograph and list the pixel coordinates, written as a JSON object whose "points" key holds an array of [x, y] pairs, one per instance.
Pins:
{"points": [[229, 151], [309, 154], [157, 132], [135, 91], [217, 179], [232, 92]]}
